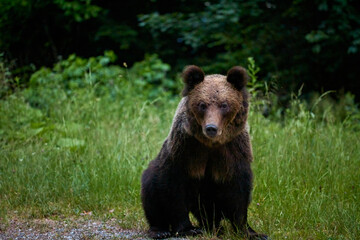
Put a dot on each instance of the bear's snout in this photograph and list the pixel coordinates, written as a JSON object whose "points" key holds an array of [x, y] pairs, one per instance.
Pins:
{"points": [[211, 130]]}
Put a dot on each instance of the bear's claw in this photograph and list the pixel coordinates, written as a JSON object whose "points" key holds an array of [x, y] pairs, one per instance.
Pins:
{"points": [[191, 232], [159, 234]]}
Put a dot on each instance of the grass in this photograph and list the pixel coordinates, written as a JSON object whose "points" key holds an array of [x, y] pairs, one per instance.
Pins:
{"points": [[86, 154]]}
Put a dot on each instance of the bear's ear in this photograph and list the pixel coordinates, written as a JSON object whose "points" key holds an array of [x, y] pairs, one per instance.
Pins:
{"points": [[238, 77], [192, 75]]}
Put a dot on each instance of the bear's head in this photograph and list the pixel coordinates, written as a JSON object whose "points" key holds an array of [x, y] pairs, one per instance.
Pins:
{"points": [[217, 105]]}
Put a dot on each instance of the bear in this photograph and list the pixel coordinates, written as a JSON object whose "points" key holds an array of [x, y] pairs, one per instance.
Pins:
{"points": [[203, 166]]}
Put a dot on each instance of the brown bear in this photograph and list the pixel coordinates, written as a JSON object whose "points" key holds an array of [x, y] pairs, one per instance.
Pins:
{"points": [[204, 164]]}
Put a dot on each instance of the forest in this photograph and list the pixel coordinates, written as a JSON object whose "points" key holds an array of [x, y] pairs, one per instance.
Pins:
{"points": [[88, 90], [310, 43]]}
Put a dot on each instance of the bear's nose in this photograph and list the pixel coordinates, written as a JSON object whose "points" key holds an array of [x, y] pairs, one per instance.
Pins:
{"points": [[211, 130]]}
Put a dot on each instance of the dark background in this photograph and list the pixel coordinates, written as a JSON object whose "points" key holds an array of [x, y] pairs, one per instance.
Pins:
{"points": [[311, 43]]}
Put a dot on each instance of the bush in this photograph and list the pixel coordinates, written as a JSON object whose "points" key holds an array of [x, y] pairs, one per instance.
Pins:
{"points": [[150, 76], [52, 86]]}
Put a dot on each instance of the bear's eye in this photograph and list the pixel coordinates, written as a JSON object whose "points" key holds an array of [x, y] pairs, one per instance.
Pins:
{"points": [[202, 106], [224, 106]]}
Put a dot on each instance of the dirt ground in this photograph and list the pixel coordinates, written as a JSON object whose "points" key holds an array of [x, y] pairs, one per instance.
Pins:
{"points": [[71, 229], [65, 229]]}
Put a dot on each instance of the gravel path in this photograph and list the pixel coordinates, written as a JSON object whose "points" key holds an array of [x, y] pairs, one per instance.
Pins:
{"points": [[41, 229], [66, 229]]}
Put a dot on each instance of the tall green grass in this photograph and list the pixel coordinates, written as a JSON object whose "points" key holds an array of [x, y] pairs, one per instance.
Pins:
{"points": [[306, 179], [85, 152]]}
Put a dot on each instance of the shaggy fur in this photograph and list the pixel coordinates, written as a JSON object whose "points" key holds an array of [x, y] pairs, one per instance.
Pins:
{"points": [[201, 171]]}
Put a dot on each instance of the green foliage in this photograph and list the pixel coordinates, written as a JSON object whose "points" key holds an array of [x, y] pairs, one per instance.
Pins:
{"points": [[150, 76], [19, 126], [39, 33], [321, 108], [201, 28], [80, 10], [76, 72], [314, 43], [50, 87], [290, 40], [255, 86], [341, 17]]}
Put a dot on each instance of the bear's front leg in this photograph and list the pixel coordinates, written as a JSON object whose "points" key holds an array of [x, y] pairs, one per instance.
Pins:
{"points": [[155, 205], [179, 211], [239, 221], [165, 202], [181, 226], [240, 225], [233, 201]]}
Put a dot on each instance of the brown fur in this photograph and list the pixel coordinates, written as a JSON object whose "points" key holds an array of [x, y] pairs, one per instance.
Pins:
{"points": [[203, 166], [214, 91]]}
